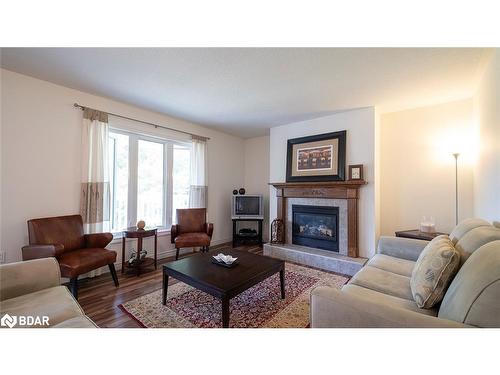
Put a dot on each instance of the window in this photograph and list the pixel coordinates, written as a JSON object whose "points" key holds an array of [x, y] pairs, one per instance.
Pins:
{"points": [[150, 184], [149, 179], [119, 172]]}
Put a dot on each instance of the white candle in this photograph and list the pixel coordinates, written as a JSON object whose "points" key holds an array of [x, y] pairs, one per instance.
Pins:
{"points": [[427, 227]]}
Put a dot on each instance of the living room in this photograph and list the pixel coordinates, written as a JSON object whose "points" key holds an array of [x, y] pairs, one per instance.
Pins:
{"points": [[249, 187]]}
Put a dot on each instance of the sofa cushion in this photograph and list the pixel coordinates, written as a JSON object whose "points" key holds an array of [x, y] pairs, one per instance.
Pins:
{"points": [[474, 239], [435, 268], [27, 277], [192, 240], [392, 264], [57, 303], [465, 226], [77, 322], [474, 295], [383, 281], [387, 300]]}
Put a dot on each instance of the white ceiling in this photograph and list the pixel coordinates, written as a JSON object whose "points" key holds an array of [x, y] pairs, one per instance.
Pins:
{"points": [[245, 91]]}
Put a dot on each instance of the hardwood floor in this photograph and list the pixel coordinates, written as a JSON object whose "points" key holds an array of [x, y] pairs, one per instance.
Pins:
{"points": [[99, 297]]}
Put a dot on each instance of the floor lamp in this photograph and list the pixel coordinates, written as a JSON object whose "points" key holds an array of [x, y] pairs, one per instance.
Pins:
{"points": [[456, 155]]}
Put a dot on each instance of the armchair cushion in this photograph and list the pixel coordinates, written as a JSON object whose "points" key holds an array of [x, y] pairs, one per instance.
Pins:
{"points": [[191, 220], [435, 268], [192, 240], [77, 262], [65, 230], [100, 240]]}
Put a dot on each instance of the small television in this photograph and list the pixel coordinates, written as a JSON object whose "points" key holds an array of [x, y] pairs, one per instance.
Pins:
{"points": [[247, 206]]}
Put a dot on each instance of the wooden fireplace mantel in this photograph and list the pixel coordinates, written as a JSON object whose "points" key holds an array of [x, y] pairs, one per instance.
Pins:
{"points": [[348, 190]]}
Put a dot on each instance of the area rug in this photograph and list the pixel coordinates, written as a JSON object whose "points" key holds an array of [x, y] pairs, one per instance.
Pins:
{"points": [[259, 306]]}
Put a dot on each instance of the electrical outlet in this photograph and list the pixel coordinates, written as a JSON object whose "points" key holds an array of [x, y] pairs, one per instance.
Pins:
{"points": [[3, 257]]}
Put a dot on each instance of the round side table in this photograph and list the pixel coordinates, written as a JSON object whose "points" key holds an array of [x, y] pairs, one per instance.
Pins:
{"points": [[139, 264]]}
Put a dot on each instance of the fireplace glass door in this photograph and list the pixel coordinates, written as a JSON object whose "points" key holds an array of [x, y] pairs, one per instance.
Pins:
{"points": [[315, 226]]}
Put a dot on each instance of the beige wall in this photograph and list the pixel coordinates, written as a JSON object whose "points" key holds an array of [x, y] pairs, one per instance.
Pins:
{"points": [[487, 171], [360, 149], [3, 253], [417, 166], [41, 147], [257, 173]]}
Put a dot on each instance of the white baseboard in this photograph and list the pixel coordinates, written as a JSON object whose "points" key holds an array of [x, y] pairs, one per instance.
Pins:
{"points": [[171, 252]]}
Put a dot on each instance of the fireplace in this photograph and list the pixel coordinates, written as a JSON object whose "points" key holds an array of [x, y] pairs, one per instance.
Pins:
{"points": [[315, 226]]}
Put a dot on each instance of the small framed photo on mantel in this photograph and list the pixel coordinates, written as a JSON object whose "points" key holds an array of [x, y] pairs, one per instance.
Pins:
{"points": [[316, 158], [356, 172]]}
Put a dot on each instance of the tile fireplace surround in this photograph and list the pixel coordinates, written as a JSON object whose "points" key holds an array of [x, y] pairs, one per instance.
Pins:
{"points": [[341, 194]]}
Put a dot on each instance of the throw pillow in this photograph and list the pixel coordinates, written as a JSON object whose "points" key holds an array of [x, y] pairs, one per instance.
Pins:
{"points": [[433, 272]]}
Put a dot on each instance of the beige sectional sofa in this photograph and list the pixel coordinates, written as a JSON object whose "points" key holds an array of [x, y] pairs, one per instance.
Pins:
{"points": [[379, 295], [33, 288]]}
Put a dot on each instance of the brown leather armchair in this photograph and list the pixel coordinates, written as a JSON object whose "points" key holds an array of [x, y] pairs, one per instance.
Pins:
{"points": [[191, 230], [62, 237]]}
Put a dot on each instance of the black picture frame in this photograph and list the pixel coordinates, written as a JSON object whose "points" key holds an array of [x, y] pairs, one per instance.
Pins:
{"points": [[340, 176]]}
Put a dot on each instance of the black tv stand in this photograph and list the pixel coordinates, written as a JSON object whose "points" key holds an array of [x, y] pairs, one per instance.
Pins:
{"points": [[248, 239]]}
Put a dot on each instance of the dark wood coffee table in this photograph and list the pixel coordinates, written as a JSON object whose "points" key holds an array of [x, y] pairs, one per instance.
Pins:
{"points": [[220, 282]]}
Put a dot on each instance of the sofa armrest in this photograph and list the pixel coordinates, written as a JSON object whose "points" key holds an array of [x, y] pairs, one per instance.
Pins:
{"points": [[98, 240], [41, 251], [331, 308], [20, 278], [399, 247], [209, 229], [174, 232]]}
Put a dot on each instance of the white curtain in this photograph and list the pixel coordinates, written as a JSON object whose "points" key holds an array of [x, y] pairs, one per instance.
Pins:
{"points": [[198, 190], [95, 193]]}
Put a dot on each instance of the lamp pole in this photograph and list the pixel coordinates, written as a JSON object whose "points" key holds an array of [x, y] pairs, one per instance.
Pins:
{"points": [[455, 155]]}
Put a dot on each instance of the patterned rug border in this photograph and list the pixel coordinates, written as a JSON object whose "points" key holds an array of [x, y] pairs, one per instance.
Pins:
{"points": [[130, 315], [180, 284]]}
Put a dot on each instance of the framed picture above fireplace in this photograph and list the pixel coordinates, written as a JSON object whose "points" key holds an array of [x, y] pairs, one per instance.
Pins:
{"points": [[316, 158]]}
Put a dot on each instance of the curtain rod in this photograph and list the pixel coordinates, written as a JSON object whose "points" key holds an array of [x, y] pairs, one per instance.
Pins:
{"points": [[76, 105]]}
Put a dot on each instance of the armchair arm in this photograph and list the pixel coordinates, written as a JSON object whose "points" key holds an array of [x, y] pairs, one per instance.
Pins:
{"points": [[41, 251], [174, 231], [17, 279], [98, 240], [331, 308], [209, 229], [405, 248]]}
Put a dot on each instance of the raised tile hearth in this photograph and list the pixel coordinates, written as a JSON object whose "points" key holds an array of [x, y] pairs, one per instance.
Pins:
{"points": [[323, 259]]}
